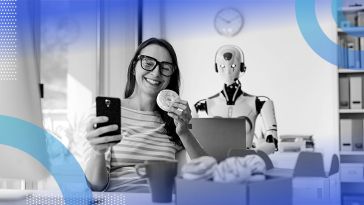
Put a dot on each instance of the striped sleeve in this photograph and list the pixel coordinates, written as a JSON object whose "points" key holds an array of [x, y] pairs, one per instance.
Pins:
{"points": [[144, 138]]}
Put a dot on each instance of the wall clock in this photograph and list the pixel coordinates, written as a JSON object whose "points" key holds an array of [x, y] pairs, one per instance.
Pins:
{"points": [[228, 22]]}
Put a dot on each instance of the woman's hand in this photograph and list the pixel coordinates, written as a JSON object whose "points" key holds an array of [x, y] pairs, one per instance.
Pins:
{"points": [[101, 144], [181, 113]]}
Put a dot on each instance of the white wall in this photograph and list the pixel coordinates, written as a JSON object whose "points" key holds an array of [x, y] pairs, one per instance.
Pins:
{"points": [[280, 64]]}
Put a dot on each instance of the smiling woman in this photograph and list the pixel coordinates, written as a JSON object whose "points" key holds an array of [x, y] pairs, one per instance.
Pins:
{"points": [[150, 74], [148, 132]]}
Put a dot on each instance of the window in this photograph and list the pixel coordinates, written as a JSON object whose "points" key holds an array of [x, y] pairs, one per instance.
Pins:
{"points": [[85, 47]]}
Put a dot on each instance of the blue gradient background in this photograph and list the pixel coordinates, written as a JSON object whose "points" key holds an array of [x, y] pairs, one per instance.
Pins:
{"points": [[188, 15]]}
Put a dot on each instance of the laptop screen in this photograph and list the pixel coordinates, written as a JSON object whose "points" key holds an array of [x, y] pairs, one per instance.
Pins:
{"points": [[218, 135]]}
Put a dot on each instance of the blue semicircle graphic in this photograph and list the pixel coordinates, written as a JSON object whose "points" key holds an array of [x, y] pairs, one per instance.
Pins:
{"points": [[313, 34], [31, 139]]}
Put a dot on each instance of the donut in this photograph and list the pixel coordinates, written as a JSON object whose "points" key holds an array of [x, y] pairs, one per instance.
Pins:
{"points": [[232, 170], [207, 175], [256, 164], [166, 98], [201, 168]]}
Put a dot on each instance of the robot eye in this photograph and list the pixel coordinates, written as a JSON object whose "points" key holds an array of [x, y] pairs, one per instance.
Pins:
{"points": [[233, 65], [222, 66]]}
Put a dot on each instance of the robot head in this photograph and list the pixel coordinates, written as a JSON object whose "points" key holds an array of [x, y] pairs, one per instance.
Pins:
{"points": [[229, 62]]}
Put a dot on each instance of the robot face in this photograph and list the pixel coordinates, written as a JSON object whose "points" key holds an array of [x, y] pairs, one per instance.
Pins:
{"points": [[228, 60]]}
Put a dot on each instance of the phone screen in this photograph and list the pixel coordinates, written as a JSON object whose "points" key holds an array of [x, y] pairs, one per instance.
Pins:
{"points": [[111, 108]]}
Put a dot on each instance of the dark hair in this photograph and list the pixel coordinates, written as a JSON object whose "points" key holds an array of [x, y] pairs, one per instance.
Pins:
{"points": [[174, 83]]}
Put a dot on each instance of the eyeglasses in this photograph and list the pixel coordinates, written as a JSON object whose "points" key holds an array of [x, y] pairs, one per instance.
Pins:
{"points": [[149, 63]]}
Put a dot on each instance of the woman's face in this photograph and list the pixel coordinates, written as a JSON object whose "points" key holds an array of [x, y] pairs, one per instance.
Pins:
{"points": [[151, 82]]}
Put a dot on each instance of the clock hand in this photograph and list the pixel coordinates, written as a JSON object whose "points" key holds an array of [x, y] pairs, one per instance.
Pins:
{"points": [[233, 19], [223, 19]]}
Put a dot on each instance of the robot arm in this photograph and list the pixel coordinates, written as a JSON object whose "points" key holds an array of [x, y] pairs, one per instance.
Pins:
{"points": [[200, 109], [269, 121]]}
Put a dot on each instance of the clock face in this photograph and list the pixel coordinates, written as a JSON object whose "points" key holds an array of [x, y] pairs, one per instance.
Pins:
{"points": [[229, 22]]}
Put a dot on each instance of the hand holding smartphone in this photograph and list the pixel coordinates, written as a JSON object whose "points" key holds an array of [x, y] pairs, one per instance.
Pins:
{"points": [[111, 108]]}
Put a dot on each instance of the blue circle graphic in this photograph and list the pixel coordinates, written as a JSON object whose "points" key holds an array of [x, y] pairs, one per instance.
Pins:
{"points": [[32, 140], [316, 38]]}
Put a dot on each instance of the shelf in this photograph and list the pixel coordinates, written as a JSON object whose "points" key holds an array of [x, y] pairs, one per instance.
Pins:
{"points": [[359, 181], [351, 8], [350, 37], [358, 31], [347, 70], [349, 188], [349, 111], [352, 153]]}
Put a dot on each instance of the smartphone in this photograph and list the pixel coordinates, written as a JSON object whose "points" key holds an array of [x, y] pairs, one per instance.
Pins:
{"points": [[111, 108]]}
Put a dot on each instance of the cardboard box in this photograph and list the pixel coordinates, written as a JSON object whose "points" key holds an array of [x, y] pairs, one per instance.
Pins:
{"points": [[311, 184], [274, 190]]}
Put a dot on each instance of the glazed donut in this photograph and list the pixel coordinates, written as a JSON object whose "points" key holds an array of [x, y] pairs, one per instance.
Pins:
{"points": [[232, 170], [166, 98], [256, 164], [199, 168]]}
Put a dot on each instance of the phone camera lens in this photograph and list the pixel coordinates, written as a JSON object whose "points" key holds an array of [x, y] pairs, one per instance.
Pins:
{"points": [[107, 102]]}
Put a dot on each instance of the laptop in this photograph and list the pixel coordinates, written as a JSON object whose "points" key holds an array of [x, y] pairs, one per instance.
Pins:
{"points": [[218, 135]]}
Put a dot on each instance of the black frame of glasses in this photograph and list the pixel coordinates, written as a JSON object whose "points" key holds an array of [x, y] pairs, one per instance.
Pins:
{"points": [[140, 57]]}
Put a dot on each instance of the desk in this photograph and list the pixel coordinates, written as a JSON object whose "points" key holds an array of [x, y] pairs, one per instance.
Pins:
{"points": [[20, 197]]}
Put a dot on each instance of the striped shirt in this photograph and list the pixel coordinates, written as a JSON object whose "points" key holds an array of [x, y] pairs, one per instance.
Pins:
{"points": [[143, 138]]}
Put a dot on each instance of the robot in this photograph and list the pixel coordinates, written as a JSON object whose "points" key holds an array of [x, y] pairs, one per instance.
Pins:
{"points": [[233, 102]]}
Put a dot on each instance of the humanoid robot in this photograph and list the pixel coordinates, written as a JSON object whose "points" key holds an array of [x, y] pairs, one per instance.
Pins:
{"points": [[233, 102]]}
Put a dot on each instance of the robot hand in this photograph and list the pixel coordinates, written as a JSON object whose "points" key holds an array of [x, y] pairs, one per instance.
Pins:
{"points": [[269, 121]]}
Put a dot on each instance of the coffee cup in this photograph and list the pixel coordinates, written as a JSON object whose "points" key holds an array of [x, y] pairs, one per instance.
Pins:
{"points": [[160, 175]]}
